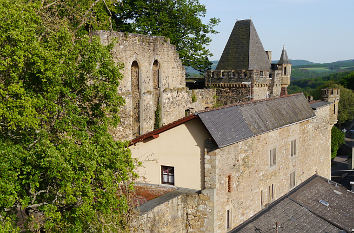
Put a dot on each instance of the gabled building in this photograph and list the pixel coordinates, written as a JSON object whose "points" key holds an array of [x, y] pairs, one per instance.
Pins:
{"points": [[240, 157]]}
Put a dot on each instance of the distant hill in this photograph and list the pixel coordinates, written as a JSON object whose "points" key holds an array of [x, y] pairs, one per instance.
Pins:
{"points": [[302, 68], [298, 62], [321, 69]]}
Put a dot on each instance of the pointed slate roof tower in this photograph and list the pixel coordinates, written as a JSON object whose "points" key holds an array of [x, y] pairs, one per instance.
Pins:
{"points": [[244, 49], [283, 58]]}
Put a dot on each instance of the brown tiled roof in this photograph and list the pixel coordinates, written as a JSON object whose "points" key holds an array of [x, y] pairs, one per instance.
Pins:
{"points": [[164, 128], [244, 49]]}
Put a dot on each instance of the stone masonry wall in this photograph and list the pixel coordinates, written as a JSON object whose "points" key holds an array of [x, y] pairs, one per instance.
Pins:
{"points": [[184, 213], [203, 99], [145, 51], [248, 165], [225, 96], [151, 67]]}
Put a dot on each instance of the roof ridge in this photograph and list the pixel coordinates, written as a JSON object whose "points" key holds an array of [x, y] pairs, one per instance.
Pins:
{"points": [[248, 102]]}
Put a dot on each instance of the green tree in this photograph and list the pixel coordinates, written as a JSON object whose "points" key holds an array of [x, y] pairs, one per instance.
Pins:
{"points": [[178, 20], [60, 169], [337, 139]]}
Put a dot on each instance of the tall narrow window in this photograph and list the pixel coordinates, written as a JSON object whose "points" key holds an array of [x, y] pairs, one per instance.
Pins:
{"points": [[285, 70], [292, 180], [293, 148], [273, 157], [270, 193], [228, 219], [334, 108], [273, 192], [156, 88], [135, 90], [262, 201], [229, 183], [167, 175]]}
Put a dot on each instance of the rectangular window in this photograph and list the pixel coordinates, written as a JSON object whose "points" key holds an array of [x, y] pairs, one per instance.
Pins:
{"points": [[293, 148], [262, 201], [270, 193], [167, 175], [228, 218], [273, 157], [229, 183], [292, 180]]}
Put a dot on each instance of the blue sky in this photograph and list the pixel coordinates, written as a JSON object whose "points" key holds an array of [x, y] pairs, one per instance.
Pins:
{"points": [[314, 30]]}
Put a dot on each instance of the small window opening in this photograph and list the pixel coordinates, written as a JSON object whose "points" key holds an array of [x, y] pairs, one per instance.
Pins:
{"points": [[229, 183], [284, 70], [228, 218], [167, 175], [293, 148], [292, 180], [273, 157]]}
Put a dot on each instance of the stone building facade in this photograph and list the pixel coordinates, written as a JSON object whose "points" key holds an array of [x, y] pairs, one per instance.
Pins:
{"points": [[245, 72], [153, 84], [246, 156]]}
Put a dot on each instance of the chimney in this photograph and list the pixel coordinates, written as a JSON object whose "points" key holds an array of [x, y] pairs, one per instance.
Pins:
{"points": [[269, 54]]}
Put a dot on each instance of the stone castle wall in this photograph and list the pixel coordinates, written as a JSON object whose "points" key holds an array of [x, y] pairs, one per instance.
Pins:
{"points": [[153, 78], [230, 95], [184, 213], [247, 164]]}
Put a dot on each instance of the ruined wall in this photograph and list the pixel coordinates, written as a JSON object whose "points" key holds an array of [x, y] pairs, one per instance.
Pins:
{"points": [[153, 83], [252, 179], [152, 75], [201, 99], [184, 213]]}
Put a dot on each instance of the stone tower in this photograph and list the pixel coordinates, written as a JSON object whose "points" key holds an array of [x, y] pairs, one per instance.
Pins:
{"points": [[243, 71], [280, 75], [332, 95], [285, 68]]}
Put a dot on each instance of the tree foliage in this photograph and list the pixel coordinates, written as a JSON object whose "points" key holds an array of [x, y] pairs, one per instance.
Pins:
{"points": [[60, 169], [178, 20], [337, 139]]}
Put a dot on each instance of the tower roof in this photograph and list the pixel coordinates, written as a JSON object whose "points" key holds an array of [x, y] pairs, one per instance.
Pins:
{"points": [[284, 57], [244, 49]]}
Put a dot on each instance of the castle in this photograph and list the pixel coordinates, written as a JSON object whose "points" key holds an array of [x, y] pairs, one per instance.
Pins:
{"points": [[154, 86], [217, 167], [245, 72]]}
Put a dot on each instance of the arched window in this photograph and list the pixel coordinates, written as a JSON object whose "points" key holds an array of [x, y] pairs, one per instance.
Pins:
{"points": [[285, 70], [156, 87], [156, 74], [135, 89]]}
